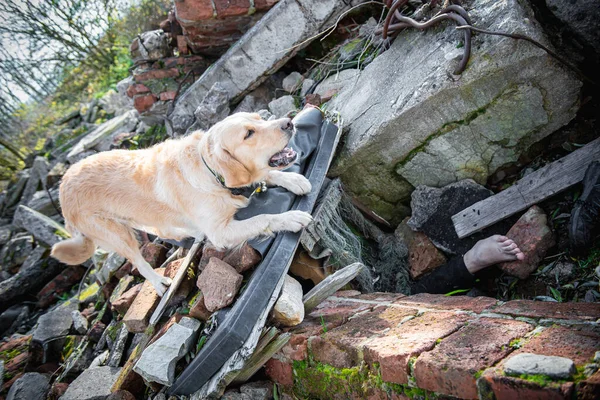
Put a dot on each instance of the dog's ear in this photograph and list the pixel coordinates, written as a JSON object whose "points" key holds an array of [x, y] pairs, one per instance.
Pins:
{"points": [[234, 172]]}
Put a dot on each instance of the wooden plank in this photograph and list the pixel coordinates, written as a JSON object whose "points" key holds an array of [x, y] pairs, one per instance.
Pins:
{"points": [[530, 190], [179, 277], [330, 285]]}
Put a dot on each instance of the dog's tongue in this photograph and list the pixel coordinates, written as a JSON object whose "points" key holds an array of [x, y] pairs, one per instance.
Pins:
{"points": [[284, 157]]}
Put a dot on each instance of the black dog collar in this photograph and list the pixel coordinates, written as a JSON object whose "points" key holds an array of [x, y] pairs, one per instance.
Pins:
{"points": [[247, 192]]}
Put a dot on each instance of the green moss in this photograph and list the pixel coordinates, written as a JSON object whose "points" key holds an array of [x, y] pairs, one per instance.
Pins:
{"points": [[541, 380], [89, 291], [63, 234], [516, 343], [69, 346], [315, 380]]}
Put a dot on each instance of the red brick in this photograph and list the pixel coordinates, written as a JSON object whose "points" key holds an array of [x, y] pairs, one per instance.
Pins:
{"points": [[539, 309], [17, 363], [410, 339], [57, 390], [534, 237], [137, 88], [193, 10], [96, 331], [347, 293], [198, 309], [156, 74], [261, 5], [144, 102], [578, 343], [231, 8], [182, 45], [339, 310], [423, 256], [381, 297], [208, 252], [313, 99], [123, 303], [155, 254], [451, 366], [342, 347], [186, 286], [219, 283], [510, 388], [441, 302], [243, 259], [13, 343], [589, 389], [138, 315], [62, 283], [280, 372], [167, 96]]}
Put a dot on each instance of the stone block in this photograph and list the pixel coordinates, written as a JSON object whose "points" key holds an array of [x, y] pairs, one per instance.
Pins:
{"points": [[138, 315], [45, 230], [219, 283], [450, 368], [538, 309], [426, 129], [534, 237]]}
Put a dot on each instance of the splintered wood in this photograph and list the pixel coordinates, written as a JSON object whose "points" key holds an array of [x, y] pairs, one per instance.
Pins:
{"points": [[530, 190]]}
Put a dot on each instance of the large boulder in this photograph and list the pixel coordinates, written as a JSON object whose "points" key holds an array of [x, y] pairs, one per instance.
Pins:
{"points": [[409, 122]]}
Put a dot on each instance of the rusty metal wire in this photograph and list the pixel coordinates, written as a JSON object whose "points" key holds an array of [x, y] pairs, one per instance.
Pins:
{"points": [[395, 21]]}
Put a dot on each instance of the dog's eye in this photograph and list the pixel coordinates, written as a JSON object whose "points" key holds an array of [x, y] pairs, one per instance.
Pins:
{"points": [[249, 134]]}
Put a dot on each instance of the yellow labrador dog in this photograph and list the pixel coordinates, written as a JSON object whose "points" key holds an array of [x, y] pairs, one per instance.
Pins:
{"points": [[177, 189]]}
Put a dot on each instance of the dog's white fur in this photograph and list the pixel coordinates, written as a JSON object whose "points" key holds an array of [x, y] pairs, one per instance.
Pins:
{"points": [[167, 190]]}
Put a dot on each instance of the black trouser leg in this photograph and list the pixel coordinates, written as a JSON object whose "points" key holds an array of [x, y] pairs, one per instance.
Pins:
{"points": [[450, 276]]}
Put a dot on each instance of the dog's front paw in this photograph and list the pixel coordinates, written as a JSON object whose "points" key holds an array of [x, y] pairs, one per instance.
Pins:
{"points": [[161, 285], [297, 184], [291, 221]]}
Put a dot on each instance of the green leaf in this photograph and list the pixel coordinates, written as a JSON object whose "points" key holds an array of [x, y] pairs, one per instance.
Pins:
{"points": [[458, 291]]}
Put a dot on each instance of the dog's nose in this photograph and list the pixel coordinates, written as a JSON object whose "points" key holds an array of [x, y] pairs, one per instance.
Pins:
{"points": [[287, 125]]}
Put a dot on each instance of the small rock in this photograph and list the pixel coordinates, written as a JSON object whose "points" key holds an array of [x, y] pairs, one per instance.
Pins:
{"points": [[243, 259], [15, 252], [138, 314], [123, 285], [56, 174], [55, 323], [313, 99], [92, 384], [335, 83], [155, 254], [44, 229], [289, 309], [41, 203], [112, 263], [11, 319], [590, 369], [597, 357], [121, 395], [423, 256], [80, 324], [208, 252], [214, 108], [124, 302], [198, 309], [535, 364], [219, 283], [30, 386], [534, 237], [292, 82], [100, 359], [96, 331], [37, 178], [152, 45], [306, 85], [433, 208], [57, 390], [59, 285], [158, 361], [186, 285], [562, 271], [257, 391], [118, 347], [282, 106], [266, 115]]}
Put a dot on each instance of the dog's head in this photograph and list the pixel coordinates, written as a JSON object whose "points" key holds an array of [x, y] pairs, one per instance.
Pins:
{"points": [[245, 147]]}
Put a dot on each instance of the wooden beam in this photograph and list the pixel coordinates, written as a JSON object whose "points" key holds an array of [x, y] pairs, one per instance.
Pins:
{"points": [[530, 190], [330, 285]]}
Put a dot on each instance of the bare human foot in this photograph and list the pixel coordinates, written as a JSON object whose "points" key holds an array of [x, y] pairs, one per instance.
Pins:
{"points": [[490, 251]]}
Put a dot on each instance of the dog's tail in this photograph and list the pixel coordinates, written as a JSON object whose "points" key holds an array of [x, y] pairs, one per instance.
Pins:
{"points": [[74, 251]]}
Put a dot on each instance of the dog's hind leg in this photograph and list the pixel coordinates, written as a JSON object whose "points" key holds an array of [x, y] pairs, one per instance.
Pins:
{"points": [[114, 236]]}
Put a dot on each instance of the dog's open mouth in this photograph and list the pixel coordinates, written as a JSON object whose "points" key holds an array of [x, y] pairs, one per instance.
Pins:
{"points": [[284, 158]]}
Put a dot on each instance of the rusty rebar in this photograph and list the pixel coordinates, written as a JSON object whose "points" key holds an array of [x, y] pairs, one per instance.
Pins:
{"points": [[396, 21]]}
